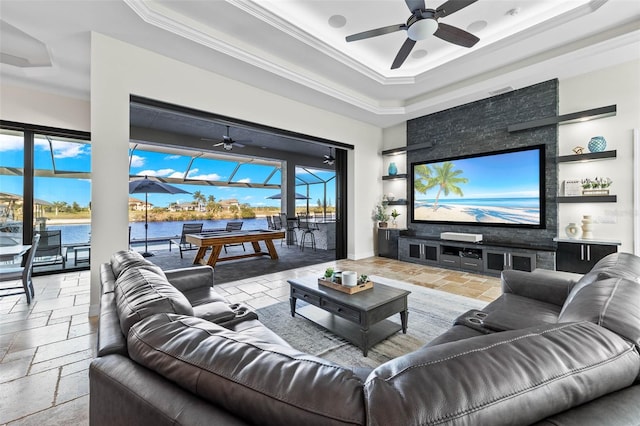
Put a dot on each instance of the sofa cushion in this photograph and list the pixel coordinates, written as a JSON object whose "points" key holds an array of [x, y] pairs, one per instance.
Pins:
{"points": [[615, 265], [203, 295], [141, 293], [123, 260], [257, 380], [531, 312], [512, 377], [217, 312], [612, 303]]}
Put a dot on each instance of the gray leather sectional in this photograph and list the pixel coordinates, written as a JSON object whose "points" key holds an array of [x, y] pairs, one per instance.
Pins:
{"points": [[554, 349]]}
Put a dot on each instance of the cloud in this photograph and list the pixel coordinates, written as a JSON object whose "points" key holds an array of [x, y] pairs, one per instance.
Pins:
{"points": [[244, 180], [137, 161], [174, 174], [172, 157], [160, 173], [11, 143], [68, 149], [193, 174]]}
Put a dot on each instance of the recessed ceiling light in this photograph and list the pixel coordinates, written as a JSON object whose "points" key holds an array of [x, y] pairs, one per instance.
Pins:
{"points": [[417, 54], [477, 26], [513, 12], [337, 21]]}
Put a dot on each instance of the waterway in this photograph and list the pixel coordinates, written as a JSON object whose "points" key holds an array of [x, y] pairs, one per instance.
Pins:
{"points": [[81, 233]]}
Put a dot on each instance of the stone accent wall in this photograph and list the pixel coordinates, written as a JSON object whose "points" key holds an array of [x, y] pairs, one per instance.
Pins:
{"points": [[481, 127]]}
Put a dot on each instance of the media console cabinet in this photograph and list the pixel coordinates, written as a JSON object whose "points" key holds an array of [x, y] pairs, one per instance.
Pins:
{"points": [[484, 257]]}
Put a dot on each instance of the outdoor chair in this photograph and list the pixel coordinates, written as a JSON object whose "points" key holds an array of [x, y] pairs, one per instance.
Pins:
{"points": [[50, 250], [307, 228], [277, 223], [270, 223], [182, 243], [234, 226], [12, 273]]}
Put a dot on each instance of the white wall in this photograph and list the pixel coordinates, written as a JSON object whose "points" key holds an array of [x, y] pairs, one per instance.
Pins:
{"points": [[395, 137], [618, 85], [119, 69], [30, 106]]}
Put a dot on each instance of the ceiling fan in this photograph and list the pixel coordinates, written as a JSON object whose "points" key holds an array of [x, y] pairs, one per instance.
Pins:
{"points": [[228, 143], [329, 159], [422, 24]]}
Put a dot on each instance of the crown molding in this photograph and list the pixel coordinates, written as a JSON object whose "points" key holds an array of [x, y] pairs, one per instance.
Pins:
{"points": [[155, 14], [254, 8]]}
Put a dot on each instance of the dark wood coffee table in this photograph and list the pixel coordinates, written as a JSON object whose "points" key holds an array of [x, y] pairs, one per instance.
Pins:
{"points": [[360, 318]]}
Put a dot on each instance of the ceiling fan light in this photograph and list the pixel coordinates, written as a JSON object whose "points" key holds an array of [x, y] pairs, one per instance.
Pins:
{"points": [[227, 146], [422, 29]]}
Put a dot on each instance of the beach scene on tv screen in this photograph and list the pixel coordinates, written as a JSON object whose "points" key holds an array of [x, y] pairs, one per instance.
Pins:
{"points": [[492, 189]]}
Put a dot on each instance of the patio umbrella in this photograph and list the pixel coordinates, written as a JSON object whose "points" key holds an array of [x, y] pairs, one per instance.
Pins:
{"points": [[150, 186], [279, 195]]}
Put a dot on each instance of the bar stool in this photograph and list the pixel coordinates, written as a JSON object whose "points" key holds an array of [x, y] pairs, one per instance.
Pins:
{"points": [[307, 227], [292, 237]]}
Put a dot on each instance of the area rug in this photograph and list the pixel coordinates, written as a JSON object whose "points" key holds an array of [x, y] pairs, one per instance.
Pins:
{"points": [[431, 313]]}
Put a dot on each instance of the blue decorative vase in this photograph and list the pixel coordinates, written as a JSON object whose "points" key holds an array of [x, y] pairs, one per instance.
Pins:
{"points": [[393, 170], [597, 144]]}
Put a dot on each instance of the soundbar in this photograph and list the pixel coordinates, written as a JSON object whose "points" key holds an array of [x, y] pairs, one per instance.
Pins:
{"points": [[460, 236]]}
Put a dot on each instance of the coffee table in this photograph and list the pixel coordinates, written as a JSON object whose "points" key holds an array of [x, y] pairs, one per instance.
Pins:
{"points": [[360, 318]]}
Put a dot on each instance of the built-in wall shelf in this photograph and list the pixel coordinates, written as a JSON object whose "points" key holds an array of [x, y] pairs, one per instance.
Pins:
{"points": [[404, 149], [397, 203], [575, 117], [591, 156], [394, 177], [588, 199]]}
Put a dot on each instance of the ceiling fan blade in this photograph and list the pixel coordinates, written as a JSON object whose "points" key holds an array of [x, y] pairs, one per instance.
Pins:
{"points": [[415, 4], [219, 144], [452, 6], [376, 32], [403, 53], [238, 144], [455, 35]]}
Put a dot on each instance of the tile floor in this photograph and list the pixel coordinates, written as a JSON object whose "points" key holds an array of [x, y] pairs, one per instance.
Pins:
{"points": [[46, 347]]}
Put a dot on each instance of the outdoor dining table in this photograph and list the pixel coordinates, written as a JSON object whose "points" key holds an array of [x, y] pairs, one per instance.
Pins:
{"points": [[7, 253]]}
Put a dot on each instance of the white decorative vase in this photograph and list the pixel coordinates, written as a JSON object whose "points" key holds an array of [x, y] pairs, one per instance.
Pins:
{"points": [[349, 278], [572, 230], [587, 227]]}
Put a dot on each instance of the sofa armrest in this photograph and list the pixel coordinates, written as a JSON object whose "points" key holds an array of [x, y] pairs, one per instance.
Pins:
{"points": [[185, 279], [124, 393], [512, 377], [541, 284]]}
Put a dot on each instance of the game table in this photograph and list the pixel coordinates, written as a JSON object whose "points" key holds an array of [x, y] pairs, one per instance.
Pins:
{"points": [[216, 240]]}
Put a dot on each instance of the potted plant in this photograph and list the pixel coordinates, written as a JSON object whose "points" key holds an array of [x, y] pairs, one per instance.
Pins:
{"points": [[394, 215], [328, 274], [380, 215], [363, 279]]}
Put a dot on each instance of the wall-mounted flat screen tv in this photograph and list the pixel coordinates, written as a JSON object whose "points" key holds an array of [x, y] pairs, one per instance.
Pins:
{"points": [[501, 188]]}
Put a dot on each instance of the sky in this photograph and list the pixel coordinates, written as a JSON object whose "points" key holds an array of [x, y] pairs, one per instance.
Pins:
{"points": [[76, 156]]}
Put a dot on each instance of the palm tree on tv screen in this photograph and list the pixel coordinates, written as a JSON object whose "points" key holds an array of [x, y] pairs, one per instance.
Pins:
{"points": [[422, 177], [442, 176]]}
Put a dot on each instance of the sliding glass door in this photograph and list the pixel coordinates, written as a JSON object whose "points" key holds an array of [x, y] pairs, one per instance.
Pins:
{"points": [[11, 187], [45, 188]]}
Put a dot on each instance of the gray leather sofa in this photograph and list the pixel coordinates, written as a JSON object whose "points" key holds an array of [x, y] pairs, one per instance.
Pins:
{"points": [[554, 349]]}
